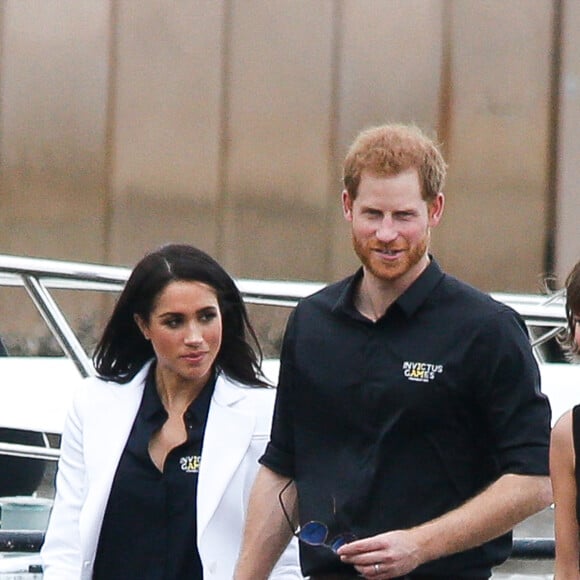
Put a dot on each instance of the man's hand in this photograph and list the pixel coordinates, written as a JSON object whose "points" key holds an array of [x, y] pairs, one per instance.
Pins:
{"points": [[493, 512], [384, 556]]}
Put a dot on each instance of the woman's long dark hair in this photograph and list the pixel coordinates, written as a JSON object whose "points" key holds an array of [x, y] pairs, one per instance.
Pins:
{"points": [[123, 350], [572, 307]]}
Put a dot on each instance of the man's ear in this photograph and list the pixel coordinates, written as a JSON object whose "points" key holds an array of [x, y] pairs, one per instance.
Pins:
{"points": [[346, 205], [436, 208]]}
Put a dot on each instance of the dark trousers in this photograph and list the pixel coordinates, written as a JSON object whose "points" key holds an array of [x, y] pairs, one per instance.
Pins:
{"points": [[407, 577]]}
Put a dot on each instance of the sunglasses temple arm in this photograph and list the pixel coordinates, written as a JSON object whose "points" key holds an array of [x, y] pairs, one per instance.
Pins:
{"points": [[295, 530]]}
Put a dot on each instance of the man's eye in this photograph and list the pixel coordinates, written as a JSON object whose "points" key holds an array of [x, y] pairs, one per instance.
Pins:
{"points": [[372, 213]]}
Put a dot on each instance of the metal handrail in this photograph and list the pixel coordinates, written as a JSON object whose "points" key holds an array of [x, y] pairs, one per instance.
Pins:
{"points": [[29, 451], [30, 541], [26, 541], [539, 310], [59, 269], [56, 274], [533, 549], [56, 321], [38, 275]]}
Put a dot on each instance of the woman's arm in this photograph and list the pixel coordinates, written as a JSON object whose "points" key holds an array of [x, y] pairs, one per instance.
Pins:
{"points": [[564, 488]]}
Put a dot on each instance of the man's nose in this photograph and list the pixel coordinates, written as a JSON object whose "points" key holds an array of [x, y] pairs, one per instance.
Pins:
{"points": [[386, 231]]}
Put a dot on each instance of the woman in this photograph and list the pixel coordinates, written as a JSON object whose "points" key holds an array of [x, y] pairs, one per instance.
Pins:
{"points": [[159, 453], [564, 449]]}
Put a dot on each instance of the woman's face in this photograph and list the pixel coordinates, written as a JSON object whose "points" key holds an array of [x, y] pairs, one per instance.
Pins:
{"points": [[185, 330], [576, 321]]}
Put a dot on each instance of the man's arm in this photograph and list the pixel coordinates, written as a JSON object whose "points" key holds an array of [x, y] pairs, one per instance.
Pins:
{"points": [[493, 512], [266, 532]]}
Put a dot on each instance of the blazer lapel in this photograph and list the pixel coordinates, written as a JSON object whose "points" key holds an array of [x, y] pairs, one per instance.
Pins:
{"points": [[107, 428], [228, 434]]}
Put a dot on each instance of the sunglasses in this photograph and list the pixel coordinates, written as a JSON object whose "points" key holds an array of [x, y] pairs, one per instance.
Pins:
{"points": [[315, 533]]}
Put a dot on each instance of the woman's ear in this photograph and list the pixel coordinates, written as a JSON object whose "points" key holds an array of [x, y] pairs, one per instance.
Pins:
{"points": [[142, 326]]}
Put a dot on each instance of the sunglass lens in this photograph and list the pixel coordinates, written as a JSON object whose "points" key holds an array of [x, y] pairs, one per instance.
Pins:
{"points": [[313, 533], [341, 540]]}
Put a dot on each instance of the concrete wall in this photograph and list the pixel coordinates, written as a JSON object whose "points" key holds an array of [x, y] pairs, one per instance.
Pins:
{"points": [[128, 123]]}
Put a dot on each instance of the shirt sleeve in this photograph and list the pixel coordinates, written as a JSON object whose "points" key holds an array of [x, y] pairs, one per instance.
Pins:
{"points": [[279, 453], [516, 411]]}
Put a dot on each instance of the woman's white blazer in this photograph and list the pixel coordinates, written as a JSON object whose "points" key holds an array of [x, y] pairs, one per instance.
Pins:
{"points": [[94, 436]]}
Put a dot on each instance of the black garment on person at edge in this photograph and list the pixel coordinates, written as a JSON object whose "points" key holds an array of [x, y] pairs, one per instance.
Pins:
{"points": [[149, 530], [576, 440]]}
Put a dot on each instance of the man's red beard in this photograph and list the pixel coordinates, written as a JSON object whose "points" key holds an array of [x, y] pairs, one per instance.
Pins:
{"points": [[384, 270]]}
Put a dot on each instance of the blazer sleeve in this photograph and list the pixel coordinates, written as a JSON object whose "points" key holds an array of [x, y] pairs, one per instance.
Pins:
{"points": [[61, 552]]}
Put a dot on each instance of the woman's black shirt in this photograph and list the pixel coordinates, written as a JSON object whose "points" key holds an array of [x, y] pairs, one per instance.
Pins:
{"points": [[149, 529]]}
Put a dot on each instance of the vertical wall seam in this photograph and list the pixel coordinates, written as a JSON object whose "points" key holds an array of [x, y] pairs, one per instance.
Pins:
{"points": [[110, 119], [333, 136], [221, 206], [445, 81], [2, 40], [552, 181]]}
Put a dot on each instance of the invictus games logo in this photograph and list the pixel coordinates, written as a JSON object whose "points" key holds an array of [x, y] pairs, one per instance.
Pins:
{"points": [[190, 463], [420, 371]]}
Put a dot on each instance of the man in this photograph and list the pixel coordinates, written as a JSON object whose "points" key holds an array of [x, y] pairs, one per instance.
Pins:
{"points": [[409, 420]]}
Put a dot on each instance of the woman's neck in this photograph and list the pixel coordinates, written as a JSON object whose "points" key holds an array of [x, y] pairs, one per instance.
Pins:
{"points": [[175, 393]]}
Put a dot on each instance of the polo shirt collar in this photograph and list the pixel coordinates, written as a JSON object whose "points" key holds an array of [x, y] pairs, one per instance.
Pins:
{"points": [[421, 288], [408, 302]]}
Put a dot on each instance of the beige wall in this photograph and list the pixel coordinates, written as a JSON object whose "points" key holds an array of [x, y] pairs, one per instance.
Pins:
{"points": [[128, 123], [277, 168], [568, 159], [53, 105], [166, 122], [494, 231]]}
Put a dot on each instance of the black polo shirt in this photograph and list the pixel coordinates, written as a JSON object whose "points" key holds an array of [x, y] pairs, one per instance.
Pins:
{"points": [[149, 530], [390, 424]]}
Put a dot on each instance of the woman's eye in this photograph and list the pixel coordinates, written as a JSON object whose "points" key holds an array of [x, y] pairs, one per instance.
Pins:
{"points": [[207, 316]]}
